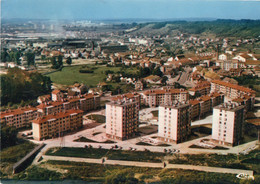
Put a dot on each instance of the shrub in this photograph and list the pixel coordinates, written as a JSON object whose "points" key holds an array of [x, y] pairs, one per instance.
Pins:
{"points": [[86, 71]]}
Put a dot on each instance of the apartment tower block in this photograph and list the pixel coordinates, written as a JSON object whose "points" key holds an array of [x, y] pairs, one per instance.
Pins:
{"points": [[228, 123], [174, 122]]}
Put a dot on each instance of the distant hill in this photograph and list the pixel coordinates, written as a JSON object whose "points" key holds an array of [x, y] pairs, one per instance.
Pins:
{"points": [[224, 28]]}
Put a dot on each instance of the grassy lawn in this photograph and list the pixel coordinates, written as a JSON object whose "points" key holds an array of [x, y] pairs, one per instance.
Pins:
{"points": [[78, 152], [13, 154], [98, 173], [98, 118], [135, 156], [147, 144], [249, 161], [84, 139], [110, 154], [69, 75]]}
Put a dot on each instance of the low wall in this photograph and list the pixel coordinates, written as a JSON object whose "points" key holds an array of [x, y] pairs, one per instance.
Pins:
{"points": [[25, 161]]}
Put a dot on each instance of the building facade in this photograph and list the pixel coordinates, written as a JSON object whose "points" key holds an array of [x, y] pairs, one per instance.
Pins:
{"points": [[135, 97], [230, 90], [156, 97], [57, 125], [202, 88], [84, 103], [228, 123], [174, 122], [122, 119], [19, 117]]}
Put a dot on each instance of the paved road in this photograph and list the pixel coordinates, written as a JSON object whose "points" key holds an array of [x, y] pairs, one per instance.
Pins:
{"points": [[184, 77], [151, 165]]}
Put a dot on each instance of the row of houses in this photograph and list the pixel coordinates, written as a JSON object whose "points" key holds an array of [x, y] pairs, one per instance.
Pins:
{"points": [[56, 125], [156, 97], [22, 117], [233, 91], [204, 104]]}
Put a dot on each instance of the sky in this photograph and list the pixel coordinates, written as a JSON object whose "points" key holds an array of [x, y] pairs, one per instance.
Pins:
{"points": [[123, 9]]}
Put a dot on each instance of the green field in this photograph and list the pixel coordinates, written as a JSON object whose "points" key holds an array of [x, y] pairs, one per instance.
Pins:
{"points": [[101, 173], [13, 154], [248, 162], [70, 75], [110, 154]]}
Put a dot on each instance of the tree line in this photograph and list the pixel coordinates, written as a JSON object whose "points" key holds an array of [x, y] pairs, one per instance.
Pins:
{"points": [[220, 27], [15, 56], [18, 85]]}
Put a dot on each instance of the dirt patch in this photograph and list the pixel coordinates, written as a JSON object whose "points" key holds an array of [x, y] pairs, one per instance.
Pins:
{"points": [[53, 168]]}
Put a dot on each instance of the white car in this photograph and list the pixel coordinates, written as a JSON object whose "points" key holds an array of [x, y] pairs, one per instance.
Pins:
{"points": [[245, 176]]}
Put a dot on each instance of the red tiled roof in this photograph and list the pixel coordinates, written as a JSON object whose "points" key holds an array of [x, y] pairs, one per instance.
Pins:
{"points": [[16, 111], [252, 62], [238, 100], [162, 91], [87, 96], [194, 102], [41, 106], [56, 91], [246, 56], [204, 98], [200, 86], [234, 86], [127, 95], [57, 116]]}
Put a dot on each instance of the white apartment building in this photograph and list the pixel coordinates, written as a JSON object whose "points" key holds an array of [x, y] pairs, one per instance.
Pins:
{"points": [[228, 121], [174, 122], [122, 119], [156, 97]]}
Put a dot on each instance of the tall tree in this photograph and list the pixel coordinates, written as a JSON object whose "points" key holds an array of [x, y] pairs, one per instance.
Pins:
{"points": [[4, 56], [30, 56], [8, 136], [69, 60], [164, 79], [54, 63], [60, 61], [19, 85], [157, 71]]}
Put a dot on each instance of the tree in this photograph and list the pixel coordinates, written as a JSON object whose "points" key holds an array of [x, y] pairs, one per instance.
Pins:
{"points": [[60, 62], [19, 85], [157, 71], [8, 136], [54, 63], [4, 56], [17, 56], [69, 60], [30, 56], [164, 79]]}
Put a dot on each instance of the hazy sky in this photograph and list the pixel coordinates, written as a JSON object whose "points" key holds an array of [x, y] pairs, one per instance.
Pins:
{"points": [[116, 9]]}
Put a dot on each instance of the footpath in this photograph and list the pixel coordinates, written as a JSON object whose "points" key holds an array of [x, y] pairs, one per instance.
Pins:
{"points": [[104, 160]]}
